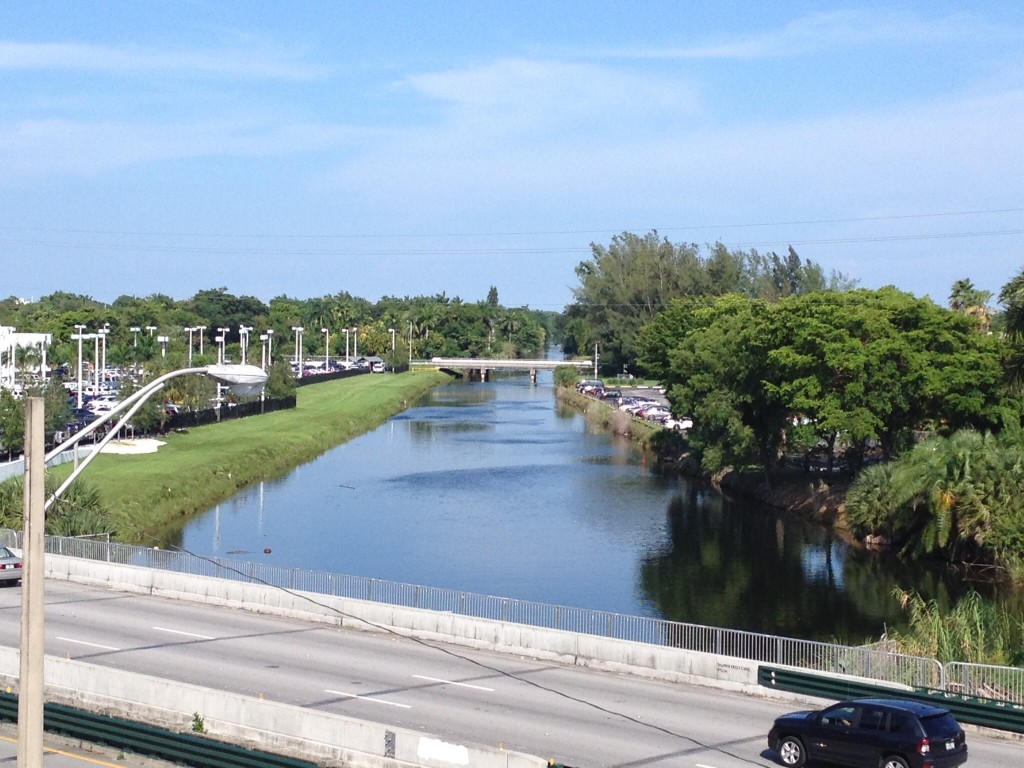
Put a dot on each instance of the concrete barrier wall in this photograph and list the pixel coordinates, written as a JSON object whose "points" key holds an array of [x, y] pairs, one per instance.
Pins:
{"points": [[333, 739], [665, 663], [279, 728]]}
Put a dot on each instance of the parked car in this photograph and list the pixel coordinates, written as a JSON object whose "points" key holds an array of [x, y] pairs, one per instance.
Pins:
{"points": [[871, 733], [10, 567]]}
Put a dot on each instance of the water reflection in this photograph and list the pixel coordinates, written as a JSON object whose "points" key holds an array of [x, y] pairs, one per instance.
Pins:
{"points": [[493, 488]]}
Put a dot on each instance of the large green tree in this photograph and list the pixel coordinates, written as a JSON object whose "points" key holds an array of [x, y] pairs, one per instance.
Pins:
{"points": [[851, 367]]}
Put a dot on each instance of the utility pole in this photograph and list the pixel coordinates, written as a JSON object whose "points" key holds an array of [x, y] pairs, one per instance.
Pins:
{"points": [[30, 683]]}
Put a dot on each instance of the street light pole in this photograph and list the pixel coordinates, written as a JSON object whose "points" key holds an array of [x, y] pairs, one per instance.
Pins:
{"points": [[80, 335], [222, 339], [96, 363], [245, 380], [298, 348], [392, 339], [270, 347], [201, 329], [345, 331], [103, 370], [263, 351], [190, 330], [355, 342], [327, 347], [162, 340], [135, 335], [243, 337]]}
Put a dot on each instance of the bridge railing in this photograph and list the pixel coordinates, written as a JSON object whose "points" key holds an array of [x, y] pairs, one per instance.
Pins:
{"points": [[872, 662]]}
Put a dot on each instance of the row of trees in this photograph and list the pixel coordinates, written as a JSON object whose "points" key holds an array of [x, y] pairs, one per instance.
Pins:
{"points": [[626, 284], [430, 325]]}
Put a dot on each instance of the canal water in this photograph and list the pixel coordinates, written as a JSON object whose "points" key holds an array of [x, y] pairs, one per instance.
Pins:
{"points": [[494, 488]]}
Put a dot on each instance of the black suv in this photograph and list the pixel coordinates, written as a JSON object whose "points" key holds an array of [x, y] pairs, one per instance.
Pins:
{"points": [[871, 733]]}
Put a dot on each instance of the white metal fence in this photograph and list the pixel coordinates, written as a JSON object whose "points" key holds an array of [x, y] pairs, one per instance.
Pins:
{"points": [[873, 662]]}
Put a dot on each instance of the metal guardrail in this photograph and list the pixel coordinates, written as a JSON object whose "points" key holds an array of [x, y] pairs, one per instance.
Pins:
{"points": [[976, 710], [181, 748], [871, 662]]}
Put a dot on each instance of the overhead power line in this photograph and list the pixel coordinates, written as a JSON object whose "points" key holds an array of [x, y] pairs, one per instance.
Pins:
{"points": [[595, 231]]}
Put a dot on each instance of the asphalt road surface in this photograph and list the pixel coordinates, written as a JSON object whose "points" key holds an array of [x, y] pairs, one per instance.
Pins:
{"points": [[575, 716]]}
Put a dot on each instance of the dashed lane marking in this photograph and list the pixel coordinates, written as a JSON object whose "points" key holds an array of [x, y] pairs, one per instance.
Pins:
{"points": [[368, 698], [452, 682]]}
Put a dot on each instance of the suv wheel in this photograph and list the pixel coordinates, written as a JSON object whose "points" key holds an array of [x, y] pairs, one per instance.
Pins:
{"points": [[894, 762], [791, 753]]}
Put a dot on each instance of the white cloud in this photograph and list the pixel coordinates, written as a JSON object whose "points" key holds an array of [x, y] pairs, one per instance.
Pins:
{"points": [[836, 30], [247, 63], [537, 94], [42, 148]]}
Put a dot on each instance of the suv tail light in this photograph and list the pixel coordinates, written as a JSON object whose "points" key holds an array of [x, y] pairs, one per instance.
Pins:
{"points": [[924, 747]]}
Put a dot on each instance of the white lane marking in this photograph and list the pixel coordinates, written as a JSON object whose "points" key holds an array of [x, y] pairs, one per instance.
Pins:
{"points": [[368, 698], [91, 645], [701, 765], [186, 634], [452, 682]]}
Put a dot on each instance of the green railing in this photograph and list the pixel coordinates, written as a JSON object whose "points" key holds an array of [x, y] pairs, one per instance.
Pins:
{"points": [[976, 710], [180, 748]]}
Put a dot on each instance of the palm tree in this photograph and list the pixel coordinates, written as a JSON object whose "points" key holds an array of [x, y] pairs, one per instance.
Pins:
{"points": [[968, 300]]}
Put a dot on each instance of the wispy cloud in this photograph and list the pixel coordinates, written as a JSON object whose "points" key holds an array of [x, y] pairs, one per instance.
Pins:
{"points": [[521, 92], [43, 148], [837, 30], [249, 63]]}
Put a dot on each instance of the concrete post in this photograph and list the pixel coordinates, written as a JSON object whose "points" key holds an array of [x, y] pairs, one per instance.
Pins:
{"points": [[30, 684]]}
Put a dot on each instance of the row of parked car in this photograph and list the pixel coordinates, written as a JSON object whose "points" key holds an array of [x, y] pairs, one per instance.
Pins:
{"points": [[639, 406]]}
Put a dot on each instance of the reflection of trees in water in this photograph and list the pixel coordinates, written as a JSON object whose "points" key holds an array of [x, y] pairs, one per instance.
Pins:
{"points": [[749, 568]]}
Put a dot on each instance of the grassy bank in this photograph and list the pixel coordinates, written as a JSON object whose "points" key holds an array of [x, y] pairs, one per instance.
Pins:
{"points": [[149, 495], [608, 417]]}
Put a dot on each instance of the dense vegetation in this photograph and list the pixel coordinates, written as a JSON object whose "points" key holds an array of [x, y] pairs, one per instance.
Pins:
{"points": [[627, 284]]}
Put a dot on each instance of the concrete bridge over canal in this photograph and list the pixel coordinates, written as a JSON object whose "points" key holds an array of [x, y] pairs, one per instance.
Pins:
{"points": [[479, 368]]}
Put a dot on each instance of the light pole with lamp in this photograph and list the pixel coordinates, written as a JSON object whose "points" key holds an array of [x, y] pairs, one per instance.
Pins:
{"points": [[355, 342], [103, 370], [163, 340], [222, 339], [190, 330], [244, 380], [263, 351], [392, 330], [202, 332], [327, 347], [243, 338], [298, 348], [345, 331], [96, 363], [270, 347], [150, 328], [79, 336], [135, 335]]}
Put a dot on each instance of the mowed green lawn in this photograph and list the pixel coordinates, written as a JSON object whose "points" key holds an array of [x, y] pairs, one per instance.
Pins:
{"points": [[149, 495]]}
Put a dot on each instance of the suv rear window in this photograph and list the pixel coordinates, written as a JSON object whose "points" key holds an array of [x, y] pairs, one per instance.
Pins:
{"points": [[942, 726]]}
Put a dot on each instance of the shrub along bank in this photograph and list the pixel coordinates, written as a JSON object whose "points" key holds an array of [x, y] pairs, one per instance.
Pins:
{"points": [[144, 498]]}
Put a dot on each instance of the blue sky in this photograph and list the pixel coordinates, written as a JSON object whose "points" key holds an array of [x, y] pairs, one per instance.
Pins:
{"points": [[414, 148]]}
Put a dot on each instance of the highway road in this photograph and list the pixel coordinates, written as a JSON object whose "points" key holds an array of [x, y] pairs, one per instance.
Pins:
{"points": [[575, 716]]}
